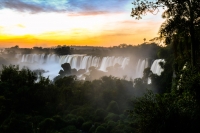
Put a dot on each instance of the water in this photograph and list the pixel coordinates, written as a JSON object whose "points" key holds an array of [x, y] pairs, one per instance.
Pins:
{"points": [[154, 67], [52, 62]]}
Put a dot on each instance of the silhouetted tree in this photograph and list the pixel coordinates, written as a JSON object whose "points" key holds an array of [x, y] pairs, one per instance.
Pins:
{"points": [[62, 50], [182, 16]]}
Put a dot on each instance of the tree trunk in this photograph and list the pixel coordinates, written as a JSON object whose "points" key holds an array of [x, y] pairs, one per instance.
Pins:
{"points": [[192, 35], [193, 47]]}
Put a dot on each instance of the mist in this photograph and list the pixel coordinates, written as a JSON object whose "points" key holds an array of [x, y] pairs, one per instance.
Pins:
{"points": [[80, 85], [87, 63]]}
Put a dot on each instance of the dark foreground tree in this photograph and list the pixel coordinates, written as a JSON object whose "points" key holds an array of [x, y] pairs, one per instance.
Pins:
{"points": [[177, 111], [182, 18]]}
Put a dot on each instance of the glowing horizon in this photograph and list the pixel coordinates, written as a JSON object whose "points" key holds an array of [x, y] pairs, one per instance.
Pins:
{"points": [[33, 25]]}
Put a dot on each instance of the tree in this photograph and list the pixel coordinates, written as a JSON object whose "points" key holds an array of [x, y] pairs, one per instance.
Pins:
{"points": [[182, 17], [144, 40], [177, 111], [62, 50]]}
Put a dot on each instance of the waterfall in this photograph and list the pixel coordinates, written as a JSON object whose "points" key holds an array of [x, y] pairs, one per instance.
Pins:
{"points": [[76, 61], [73, 60], [137, 68], [125, 62], [52, 63], [38, 58], [142, 64], [51, 58], [80, 61], [141, 68], [111, 61], [156, 68]]}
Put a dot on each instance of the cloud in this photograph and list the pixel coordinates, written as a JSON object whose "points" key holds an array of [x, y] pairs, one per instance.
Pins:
{"points": [[20, 26], [87, 13], [32, 6], [129, 22], [19, 5], [98, 5], [76, 7]]}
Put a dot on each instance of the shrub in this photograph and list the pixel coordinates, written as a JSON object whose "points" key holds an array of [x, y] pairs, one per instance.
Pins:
{"points": [[112, 116], [110, 125], [70, 129], [100, 129], [71, 119], [113, 107], [80, 121], [46, 125], [100, 114], [86, 126]]}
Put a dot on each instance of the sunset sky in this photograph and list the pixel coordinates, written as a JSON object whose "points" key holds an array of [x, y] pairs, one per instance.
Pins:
{"points": [[47, 23]]}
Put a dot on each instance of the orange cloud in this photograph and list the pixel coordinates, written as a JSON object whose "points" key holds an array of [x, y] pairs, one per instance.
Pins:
{"points": [[60, 29], [106, 38]]}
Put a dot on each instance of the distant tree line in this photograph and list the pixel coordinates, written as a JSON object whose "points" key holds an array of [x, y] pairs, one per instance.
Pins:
{"points": [[59, 50], [143, 50]]}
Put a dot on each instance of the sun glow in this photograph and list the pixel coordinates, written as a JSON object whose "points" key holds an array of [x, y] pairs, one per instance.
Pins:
{"points": [[64, 28], [21, 24]]}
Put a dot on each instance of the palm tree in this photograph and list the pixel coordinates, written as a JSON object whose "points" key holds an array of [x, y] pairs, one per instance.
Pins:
{"points": [[144, 40]]}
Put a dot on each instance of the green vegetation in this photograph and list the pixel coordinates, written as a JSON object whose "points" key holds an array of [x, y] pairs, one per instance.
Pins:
{"points": [[176, 108], [170, 103], [36, 105]]}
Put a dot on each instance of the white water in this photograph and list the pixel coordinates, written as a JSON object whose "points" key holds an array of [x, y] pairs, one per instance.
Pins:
{"points": [[52, 63], [141, 65], [155, 67], [111, 61]]}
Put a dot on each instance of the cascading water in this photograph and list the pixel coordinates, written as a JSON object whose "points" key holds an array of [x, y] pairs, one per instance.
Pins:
{"points": [[38, 58], [156, 68], [111, 61], [80, 61], [141, 68], [142, 64], [49, 63], [53, 62]]}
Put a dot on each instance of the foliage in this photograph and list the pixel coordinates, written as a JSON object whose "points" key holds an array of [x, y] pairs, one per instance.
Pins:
{"points": [[46, 125], [178, 109], [112, 117], [113, 107], [86, 126], [100, 129], [62, 50], [100, 114], [181, 27], [175, 111], [66, 105]]}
